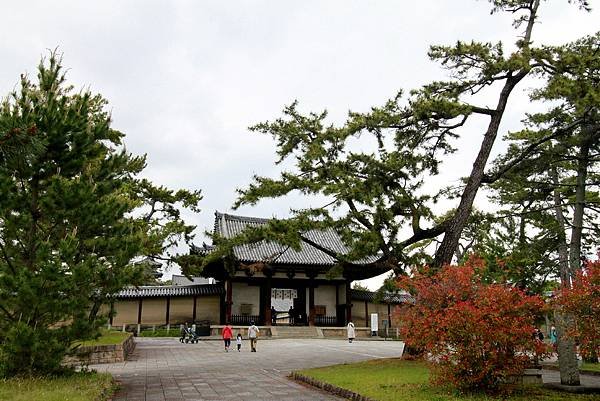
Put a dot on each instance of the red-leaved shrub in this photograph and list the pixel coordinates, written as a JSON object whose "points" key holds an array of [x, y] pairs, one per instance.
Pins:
{"points": [[582, 301], [476, 334]]}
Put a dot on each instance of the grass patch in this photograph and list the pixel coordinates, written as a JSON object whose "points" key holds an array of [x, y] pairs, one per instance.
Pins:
{"points": [[585, 366], [160, 333], [107, 338], [594, 367], [395, 379], [88, 386]]}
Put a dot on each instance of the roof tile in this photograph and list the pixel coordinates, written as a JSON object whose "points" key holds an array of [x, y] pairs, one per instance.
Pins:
{"points": [[228, 226]]}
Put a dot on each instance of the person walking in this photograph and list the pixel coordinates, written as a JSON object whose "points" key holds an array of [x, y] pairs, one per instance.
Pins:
{"points": [[227, 334], [238, 341], [182, 332], [253, 336], [350, 331], [553, 337], [273, 316]]}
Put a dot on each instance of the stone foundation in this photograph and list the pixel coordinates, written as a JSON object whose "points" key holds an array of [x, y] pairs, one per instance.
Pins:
{"points": [[96, 354], [341, 332]]}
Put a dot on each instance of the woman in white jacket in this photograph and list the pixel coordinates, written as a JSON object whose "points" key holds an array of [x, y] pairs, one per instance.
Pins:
{"points": [[350, 330]]}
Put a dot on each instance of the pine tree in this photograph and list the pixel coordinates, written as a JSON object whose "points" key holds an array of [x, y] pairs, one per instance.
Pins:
{"points": [[551, 169], [74, 219], [376, 196]]}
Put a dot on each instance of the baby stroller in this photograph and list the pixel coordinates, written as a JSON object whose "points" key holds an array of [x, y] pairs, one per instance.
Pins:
{"points": [[190, 336]]}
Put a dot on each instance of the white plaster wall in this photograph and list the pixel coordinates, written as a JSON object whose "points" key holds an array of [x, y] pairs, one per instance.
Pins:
{"points": [[325, 295], [243, 293]]}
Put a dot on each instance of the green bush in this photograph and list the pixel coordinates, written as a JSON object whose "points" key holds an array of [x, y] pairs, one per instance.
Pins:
{"points": [[27, 349]]}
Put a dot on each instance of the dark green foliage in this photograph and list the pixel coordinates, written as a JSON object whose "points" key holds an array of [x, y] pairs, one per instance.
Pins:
{"points": [[376, 193], [550, 183], [74, 219]]}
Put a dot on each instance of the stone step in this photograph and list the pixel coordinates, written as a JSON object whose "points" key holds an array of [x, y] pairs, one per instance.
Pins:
{"points": [[295, 332]]}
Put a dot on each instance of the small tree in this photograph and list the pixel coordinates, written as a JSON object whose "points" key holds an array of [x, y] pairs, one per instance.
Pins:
{"points": [[477, 334], [582, 301]]}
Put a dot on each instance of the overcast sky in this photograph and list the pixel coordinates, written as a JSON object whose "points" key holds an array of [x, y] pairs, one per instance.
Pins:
{"points": [[186, 78]]}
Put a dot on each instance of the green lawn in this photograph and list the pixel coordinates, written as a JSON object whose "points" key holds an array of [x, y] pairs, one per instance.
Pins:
{"points": [[395, 379], [174, 332], [77, 387], [595, 367], [590, 366], [107, 338]]}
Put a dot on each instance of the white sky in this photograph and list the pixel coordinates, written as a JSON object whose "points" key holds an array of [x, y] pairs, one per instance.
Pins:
{"points": [[185, 78]]}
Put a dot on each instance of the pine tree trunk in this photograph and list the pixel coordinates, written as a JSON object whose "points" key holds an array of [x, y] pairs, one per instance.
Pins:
{"points": [[565, 346], [583, 162], [578, 211], [567, 358], [452, 235]]}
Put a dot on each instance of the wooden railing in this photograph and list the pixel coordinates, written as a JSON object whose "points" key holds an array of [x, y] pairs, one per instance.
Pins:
{"points": [[244, 319], [326, 320]]}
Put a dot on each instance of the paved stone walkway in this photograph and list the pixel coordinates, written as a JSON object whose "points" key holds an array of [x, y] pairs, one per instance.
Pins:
{"points": [[165, 370]]}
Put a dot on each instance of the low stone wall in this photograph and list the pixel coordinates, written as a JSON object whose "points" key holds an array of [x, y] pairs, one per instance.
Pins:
{"points": [[330, 388], [95, 354], [342, 332]]}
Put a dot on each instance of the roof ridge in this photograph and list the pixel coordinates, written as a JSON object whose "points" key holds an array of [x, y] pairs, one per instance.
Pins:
{"points": [[165, 286], [230, 216]]}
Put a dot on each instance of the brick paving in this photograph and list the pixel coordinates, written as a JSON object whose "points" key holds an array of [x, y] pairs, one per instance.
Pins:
{"points": [[166, 370]]}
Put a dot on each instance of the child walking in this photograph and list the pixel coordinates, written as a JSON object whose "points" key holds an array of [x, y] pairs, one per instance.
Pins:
{"points": [[238, 341]]}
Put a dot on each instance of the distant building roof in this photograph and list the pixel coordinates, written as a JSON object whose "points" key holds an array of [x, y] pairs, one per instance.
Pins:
{"points": [[369, 296], [178, 279], [228, 226], [149, 291]]}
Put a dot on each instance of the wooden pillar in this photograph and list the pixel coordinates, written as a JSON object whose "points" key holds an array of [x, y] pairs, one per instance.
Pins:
{"points": [[168, 310], [367, 313], [267, 298], [228, 301], [194, 309], [112, 312], [337, 302], [311, 301], [389, 317], [348, 301], [139, 320]]}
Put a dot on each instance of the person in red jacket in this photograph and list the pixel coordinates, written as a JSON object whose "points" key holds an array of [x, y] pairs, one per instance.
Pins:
{"points": [[227, 334]]}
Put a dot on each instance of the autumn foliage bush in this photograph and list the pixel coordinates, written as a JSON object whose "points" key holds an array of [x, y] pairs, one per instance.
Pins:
{"points": [[582, 301], [476, 334]]}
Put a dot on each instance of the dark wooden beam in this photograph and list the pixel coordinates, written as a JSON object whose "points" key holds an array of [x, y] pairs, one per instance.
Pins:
{"points": [[228, 302], [311, 302], [194, 310], [112, 312], [139, 321], [267, 304], [348, 301], [168, 310]]}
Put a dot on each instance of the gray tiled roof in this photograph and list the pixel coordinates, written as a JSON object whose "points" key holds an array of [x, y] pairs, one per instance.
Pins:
{"points": [[228, 226], [369, 296], [149, 291]]}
